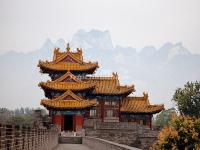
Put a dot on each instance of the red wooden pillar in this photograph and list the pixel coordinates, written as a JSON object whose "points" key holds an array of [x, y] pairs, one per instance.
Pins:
{"points": [[62, 122], [74, 122], [79, 122], [57, 120], [82, 121]]}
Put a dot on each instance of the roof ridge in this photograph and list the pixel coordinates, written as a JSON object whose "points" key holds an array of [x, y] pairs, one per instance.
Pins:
{"points": [[68, 74], [64, 55], [69, 93], [66, 104], [57, 52]]}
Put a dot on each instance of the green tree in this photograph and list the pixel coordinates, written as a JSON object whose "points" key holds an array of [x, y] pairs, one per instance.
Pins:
{"points": [[164, 117], [5, 115], [25, 120], [188, 99]]}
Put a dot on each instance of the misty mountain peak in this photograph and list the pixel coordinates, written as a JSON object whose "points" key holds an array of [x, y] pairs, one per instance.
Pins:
{"points": [[177, 49], [166, 46], [48, 44], [60, 44], [148, 51], [93, 39]]}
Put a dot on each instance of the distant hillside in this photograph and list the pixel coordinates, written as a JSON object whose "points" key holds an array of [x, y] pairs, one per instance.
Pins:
{"points": [[158, 71]]}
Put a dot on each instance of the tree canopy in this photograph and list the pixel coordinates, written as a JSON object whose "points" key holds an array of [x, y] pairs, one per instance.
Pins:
{"points": [[22, 116], [188, 99], [164, 117]]}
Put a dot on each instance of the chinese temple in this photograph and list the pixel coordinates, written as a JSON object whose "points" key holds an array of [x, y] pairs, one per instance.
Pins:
{"points": [[75, 93]]}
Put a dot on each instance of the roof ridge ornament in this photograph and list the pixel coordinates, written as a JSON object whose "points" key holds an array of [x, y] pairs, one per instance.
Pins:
{"points": [[115, 75], [68, 47], [145, 95], [56, 49], [79, 50]]}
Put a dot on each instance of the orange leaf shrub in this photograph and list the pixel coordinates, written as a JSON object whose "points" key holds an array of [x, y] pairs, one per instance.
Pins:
{"points": [[183, 133]]}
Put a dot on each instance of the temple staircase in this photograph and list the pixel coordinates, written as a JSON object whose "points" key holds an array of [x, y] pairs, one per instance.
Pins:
{"points": [[71, 137]]}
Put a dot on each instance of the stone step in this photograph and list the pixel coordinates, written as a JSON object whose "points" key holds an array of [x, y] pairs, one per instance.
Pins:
{"points": [[70, 140]]}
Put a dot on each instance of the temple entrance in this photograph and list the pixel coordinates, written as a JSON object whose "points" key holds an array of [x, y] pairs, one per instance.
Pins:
{"points": [[68, 122]]}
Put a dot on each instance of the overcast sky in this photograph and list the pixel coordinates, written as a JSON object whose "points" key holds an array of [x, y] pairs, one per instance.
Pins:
{"points": [[25, 24]]}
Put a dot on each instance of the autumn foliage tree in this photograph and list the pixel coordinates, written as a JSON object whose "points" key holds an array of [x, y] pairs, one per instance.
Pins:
{"points": [[183, 133]]}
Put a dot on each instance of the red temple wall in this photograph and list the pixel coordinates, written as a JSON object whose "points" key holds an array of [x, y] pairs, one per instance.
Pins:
{"points": [[78, 122], [57, 119]]}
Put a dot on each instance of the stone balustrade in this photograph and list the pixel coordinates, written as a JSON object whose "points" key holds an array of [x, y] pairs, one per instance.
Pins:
{"points": [[23, 138], [101, 144]]}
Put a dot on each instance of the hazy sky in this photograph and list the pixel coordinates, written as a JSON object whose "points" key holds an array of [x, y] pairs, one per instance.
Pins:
{"points": [[25, 24]]}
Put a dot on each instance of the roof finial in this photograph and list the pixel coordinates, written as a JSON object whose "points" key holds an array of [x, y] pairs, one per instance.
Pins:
{"points": [[115, 75], [145, 94], [68, 48]]}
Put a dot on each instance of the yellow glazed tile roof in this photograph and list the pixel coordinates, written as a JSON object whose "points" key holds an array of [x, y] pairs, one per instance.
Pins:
{"points": [[59, 64], [139, 105], [58, 55], [72, 102], [71, 94], [68, 104], [75, 86], [60, 84], [110, 85], [67, 66], [68, 75]]}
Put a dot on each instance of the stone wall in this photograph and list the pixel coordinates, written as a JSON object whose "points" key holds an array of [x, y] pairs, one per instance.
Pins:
{"points": [[24, 138], [128, 133], [100, 144]]}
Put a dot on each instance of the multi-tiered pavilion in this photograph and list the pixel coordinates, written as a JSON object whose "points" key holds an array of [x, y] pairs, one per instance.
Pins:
{"points": [[74, 94]]}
